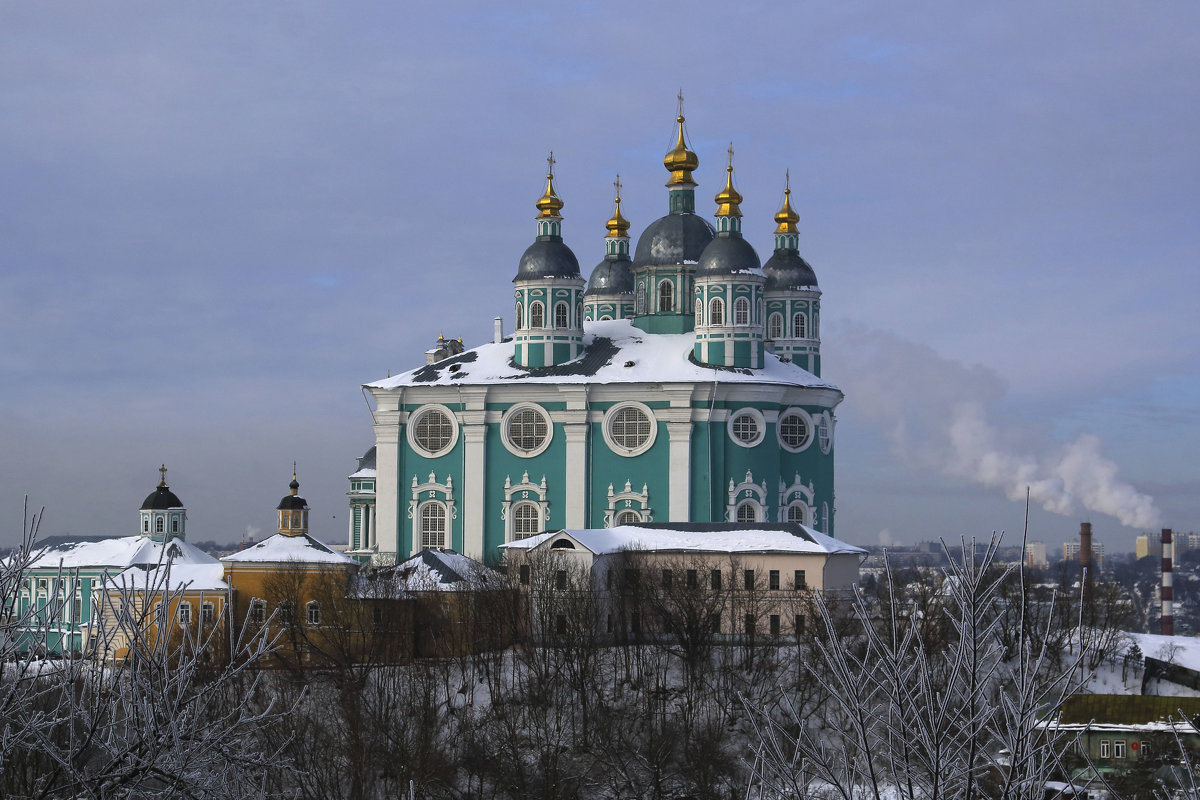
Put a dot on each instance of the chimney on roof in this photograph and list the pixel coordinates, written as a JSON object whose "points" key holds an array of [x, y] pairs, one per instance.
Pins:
{"points": [[1168, 611], [498, 330]]}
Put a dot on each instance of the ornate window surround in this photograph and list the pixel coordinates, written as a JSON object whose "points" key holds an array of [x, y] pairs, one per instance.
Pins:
{"points": [[432, 492], [523, 492], [798, 494], [628, 500], [606, 429], [746, 491]]}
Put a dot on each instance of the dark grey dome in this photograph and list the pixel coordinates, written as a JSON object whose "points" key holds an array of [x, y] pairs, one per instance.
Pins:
{"points": [[292, 502], [548, 257], [673, 239], [160, 499], [787, 270], [727, 255], [611, 276]]}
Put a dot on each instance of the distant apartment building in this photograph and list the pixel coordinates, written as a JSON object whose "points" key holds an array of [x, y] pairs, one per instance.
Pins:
{"points": [[1150, 544], [1035, 555], [1071, 552]]}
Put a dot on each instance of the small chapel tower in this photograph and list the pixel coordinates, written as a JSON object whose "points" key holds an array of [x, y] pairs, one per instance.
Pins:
{"points": [[729, 290], [793, 299], [162, 514], [293, 510], [610, 289], [549, 291]]}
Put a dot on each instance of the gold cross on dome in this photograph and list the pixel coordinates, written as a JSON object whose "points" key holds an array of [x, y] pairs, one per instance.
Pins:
{"points": [[163, 471], [731, 154], [617, 186], [680, 99], [550, 162]]}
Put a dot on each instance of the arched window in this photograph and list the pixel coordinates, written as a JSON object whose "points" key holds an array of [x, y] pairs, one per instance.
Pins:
{"points": [[175, 525], [537, 315], [527, 520], [628, 518], [824, 517], [433, 525], [578, 314], [146, 526], [699, 311], [560, 316], [605, 318], [747, 512], [795, 513], [666, 297], [716, 312], [799, 326], [158, 525], [314, 613], [775, 326], [640, 301], [741, 311], [519, 316]]}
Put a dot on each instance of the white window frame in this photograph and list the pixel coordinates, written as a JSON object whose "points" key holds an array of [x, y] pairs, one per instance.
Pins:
{"points": [[753, 506], [513, 448], [562, 314], [524, 491], [515, 516], [1118, 748], [716, 311], [796, 411], [746, 491], [447, 527], [312, 613], [628, 501], [759, 420], [666, 291], [410, 430], [537, 313], [184, 613], [825, 432], [741, 311], [1105, 748], [775, 325], [699, 311], [799, 325], [618, 448]]}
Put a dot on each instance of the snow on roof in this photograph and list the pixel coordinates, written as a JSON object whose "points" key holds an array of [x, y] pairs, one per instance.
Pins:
{"points": [[120, 553], [443, 570], [609, 346], [367, 472], [281, 548], [700, 538], [179, 577]]}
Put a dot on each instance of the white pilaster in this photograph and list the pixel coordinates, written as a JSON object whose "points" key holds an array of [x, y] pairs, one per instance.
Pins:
{"points": [[679, 502]]}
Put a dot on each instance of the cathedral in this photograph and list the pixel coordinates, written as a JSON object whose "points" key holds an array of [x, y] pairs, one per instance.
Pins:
{"points": [[680, 382]]}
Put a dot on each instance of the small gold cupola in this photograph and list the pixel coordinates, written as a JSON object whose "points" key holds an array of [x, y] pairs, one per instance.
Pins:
{"points": [[728, 199], [680, 161], [786, 218], [293, 510], [617, 225], [549, 205]]}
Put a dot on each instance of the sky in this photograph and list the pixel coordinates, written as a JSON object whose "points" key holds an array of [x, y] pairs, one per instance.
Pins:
{"points": [[218, 220]]}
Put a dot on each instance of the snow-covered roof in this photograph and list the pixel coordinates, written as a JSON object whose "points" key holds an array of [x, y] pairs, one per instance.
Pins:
{"points": [[609, 346], [1183, 651], [700, 538], [179, 577], [281, 548], [120, 553], [442, 570], [368, 472]]}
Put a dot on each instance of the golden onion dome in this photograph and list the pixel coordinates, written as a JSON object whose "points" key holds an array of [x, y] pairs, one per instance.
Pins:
{"points": [[728, 198], [617, 225], [786, 218], [549, 204], [680, 161]]}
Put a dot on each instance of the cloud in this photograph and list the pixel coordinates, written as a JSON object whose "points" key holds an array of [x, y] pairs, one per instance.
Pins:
{"points": [[938, 414]]}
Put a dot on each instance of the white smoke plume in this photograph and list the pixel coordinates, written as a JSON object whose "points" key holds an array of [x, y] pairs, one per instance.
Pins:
{"points": [[937, 414]]}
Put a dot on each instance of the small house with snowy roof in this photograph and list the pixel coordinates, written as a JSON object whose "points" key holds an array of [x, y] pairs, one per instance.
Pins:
{"points": [[750, 579], [681, 382]]}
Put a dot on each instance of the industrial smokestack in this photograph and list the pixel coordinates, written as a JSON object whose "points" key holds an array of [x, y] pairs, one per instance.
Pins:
{"points": [[1168, 611], [1085, 559]]}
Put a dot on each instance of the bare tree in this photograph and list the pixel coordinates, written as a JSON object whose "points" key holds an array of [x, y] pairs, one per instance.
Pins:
{"points": [[170, 720]]}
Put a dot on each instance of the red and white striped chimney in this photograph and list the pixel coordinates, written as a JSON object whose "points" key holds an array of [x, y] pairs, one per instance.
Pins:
{"points": [[1168, 611]]}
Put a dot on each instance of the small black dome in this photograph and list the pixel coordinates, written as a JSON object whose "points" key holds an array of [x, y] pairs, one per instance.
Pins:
{"points": [[292, 502], [548, 257], [727, 255], [160, 499], [787, 270], [613, 276], [673, 239]]}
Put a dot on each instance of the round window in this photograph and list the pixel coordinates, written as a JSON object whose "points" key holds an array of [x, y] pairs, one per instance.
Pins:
{"points": [[795, 430], [629, 429], [746, 427], [527, 430], [825, 432], [432, 430]]}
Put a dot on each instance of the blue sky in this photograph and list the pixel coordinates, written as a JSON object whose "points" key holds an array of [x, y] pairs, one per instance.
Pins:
{"points": [[219, 220]]}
